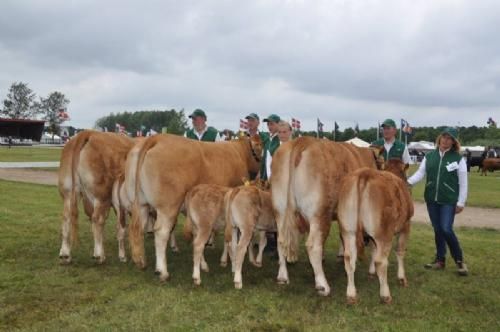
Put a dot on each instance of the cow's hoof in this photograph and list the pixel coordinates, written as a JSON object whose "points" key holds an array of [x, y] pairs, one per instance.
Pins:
{"points": [[403, 282], [197, 282], [238, 285], [223, 264], [340, 259], [352, 300], [164, 278], [100, 260], [205, 268], [123, 259], [175, 249], [64, 260], [372, 276], [322, 291], [282, 281], [386, 299], [257, 264]]}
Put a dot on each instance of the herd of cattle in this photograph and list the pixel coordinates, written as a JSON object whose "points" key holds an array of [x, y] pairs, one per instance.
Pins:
{"points": [[313, 183]]}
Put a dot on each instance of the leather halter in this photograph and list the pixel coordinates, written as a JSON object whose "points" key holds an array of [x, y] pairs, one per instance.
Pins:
{"points": [[254, 154]]}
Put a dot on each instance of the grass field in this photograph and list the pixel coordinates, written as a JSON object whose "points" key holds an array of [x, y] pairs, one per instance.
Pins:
{"points": [[30, 154], [36, 293]]}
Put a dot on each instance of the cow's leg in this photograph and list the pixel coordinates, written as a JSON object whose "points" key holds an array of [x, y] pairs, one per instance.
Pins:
{"points": [[225, 254], [314, 246], [383, 248], [350, 255], [70, 216], [251, 254], [173, 242], [211, 241], [283, 271], [199, 241], [262, 245], [163, 226], [400, 254], [372, 271], [98, 219], [121, 227], [244, 241], [234, 246]]}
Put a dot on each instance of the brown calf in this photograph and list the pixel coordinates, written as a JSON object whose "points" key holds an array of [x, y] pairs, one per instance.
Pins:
{"points": [[248, 209], [379, 204]]}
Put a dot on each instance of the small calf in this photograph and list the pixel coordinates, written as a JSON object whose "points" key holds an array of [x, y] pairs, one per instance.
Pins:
{"points": [[379, 204], [248, 209]]}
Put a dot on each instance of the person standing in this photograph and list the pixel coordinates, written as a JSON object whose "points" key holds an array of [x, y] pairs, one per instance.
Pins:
{"points": [[445, 195], [200, 130], [270, 146], [393, 148], [253, 122], [468, 159]]}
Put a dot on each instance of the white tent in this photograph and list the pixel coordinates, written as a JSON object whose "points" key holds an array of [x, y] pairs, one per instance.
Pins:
{"points": [[421, 146], [358, 142]]}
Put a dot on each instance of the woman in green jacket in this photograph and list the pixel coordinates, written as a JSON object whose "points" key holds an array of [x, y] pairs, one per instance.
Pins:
{"points": [[445, 195]]}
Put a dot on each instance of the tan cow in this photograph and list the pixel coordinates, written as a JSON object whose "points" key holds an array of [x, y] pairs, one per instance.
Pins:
{"points": [[248, 209], [305, 182], [379, 204], [490, 165], [90, 164], [204, 216], [162, 169], [123, 208]]}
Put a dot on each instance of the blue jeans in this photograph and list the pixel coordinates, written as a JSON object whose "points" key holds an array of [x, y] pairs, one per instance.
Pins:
{"points": [[442, 217]]}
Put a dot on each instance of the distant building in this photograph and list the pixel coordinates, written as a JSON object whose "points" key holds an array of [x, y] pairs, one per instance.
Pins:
{"points": [[21, 130]]}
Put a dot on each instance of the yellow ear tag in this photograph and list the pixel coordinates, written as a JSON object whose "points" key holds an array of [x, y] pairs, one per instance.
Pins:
{"points": [[247, 183]]}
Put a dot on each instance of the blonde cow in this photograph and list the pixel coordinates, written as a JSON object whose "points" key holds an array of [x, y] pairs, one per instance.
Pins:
{"points": [[379, 204]]}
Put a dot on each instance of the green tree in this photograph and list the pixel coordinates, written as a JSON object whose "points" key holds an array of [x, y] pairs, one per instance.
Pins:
{"points": [[20, 102], [53, 109]]}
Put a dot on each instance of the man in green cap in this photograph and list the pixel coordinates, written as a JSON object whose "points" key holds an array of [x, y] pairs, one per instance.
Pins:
{"points": [[393, 148], [270, 146], [200, 130], [253, 122]]}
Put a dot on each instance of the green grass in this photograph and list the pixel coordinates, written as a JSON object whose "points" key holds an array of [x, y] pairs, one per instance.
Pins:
{"points": [[36, 293], [29, 154], [484, 191]]}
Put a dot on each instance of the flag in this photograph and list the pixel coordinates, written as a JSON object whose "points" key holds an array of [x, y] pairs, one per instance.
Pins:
{"points": [[63, 115], [356, 130], [139, 133], [491, 122], [295, 124], [243, 125], [336, 126], [403, 123], [407, 129], [119, 128], [320, 126]]}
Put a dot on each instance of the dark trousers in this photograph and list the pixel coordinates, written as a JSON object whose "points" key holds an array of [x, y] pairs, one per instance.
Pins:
{"points": [[442, 217]]}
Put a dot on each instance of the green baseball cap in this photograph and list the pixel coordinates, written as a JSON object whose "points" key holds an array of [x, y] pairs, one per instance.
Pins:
{"points": [[450, 131], [252, 116], [272, 118], [389, 123], [198, 112]]}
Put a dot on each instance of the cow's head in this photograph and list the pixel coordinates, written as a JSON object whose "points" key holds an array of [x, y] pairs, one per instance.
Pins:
{"points": [[378, 155], [397, 167], [256, 147]]}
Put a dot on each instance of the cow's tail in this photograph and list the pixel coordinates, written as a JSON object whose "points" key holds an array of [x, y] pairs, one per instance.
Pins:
{"points": [[361, 186], [136, 228], [81, 140], [188, 223], [288, 229]]}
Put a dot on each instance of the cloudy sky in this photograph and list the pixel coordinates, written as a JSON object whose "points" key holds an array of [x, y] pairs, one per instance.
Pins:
{"points": [[429, 62]]}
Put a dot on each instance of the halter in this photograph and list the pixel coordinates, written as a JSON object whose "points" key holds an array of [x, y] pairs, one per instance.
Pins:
{"points": [[254, 154]]}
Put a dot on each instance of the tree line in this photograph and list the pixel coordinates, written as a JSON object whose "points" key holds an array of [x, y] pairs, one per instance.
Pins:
{"points": [[22, 103]]}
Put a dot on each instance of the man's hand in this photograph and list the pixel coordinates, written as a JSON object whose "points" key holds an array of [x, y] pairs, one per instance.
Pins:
{"points": [[459, 209]]}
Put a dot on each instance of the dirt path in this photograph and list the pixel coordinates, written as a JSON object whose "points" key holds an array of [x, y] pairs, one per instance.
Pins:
{"points": [[470, 217]]}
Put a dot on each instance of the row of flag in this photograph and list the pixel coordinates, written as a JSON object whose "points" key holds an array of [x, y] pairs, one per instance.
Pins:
{"points": [[63, 115]]}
